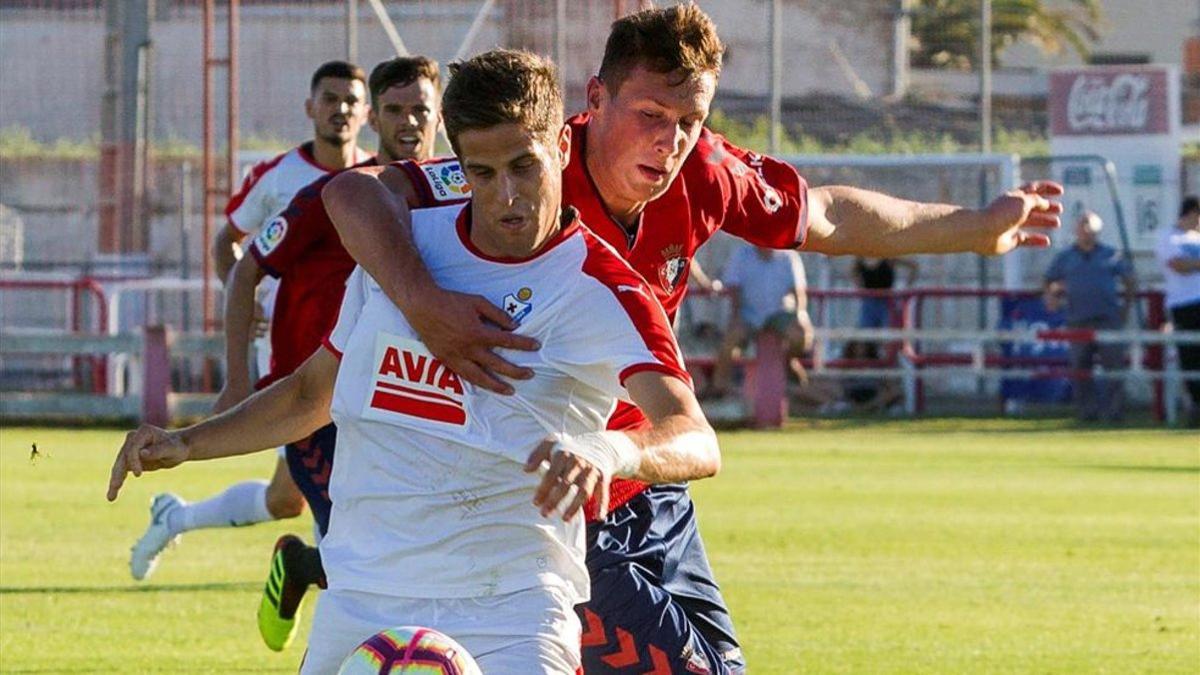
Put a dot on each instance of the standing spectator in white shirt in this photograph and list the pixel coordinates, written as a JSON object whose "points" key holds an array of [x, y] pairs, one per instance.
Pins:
{"points": [[1179, 253]]}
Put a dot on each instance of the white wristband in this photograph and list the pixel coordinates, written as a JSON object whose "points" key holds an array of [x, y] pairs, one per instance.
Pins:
{"points": [[613, 452]]}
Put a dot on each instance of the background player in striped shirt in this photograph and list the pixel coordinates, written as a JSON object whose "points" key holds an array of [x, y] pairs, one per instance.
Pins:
{"points": [[649, 179], [433, 522], [337, 105]]}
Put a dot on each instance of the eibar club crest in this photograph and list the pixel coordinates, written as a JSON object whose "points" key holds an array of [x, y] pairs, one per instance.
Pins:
{"points": [[517, 305], [673, 268]]}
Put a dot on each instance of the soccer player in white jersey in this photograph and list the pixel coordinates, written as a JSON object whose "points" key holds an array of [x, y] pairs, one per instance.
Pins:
{"points": [[432, 520], [337, 106]]}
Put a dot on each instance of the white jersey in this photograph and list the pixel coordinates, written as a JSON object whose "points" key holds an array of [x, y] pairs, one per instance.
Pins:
{"points": [[429, 494], [267, 189], [1181, 289]]}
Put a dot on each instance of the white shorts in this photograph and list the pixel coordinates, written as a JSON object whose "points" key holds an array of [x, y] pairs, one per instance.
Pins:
{"points": [[524, 633]]}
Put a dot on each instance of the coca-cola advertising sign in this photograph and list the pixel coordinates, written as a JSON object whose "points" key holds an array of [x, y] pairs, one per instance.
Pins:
{"points": [[1108, 101]]}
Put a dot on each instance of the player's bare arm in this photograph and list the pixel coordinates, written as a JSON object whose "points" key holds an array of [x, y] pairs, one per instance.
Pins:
{"points": [[222, 251], [369, 208], [290, 409], [240, 309], [849, 221], [679, 445]]}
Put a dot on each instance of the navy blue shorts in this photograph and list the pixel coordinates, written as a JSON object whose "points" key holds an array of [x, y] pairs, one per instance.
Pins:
{"points": [[655, 606], [310, 461]]}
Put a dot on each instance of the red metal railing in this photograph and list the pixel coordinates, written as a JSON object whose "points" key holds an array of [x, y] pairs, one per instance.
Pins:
{"points": [[78, 289], [907, 310]]}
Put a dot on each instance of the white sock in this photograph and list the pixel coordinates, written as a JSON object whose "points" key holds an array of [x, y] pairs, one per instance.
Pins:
{"points": [[241, 504]]}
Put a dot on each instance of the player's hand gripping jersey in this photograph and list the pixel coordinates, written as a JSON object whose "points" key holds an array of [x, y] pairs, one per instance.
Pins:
{"points": [[429, 494]]}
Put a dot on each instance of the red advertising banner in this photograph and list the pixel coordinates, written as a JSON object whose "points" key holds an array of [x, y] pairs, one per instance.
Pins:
{"points": [[1109, 100]]}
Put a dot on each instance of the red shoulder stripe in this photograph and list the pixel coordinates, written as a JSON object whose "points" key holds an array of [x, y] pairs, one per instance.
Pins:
{"points": [[637, 299], [256, 173]]}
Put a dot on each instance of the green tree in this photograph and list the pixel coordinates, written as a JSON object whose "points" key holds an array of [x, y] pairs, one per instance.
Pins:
{"points": [[946, 32]]}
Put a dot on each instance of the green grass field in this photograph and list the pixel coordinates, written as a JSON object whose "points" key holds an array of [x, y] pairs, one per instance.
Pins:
{"points": [[854, 546]]}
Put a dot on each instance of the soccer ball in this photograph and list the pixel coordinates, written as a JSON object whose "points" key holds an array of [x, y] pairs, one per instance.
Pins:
{"points": [[411, 650]]}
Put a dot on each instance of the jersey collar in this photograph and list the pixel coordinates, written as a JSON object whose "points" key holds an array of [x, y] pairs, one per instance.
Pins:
{"points": [[569, 226]]}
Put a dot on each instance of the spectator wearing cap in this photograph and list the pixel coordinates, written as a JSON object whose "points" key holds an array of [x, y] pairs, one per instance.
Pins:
{"points": [[1090, 271], [1178, 251]]}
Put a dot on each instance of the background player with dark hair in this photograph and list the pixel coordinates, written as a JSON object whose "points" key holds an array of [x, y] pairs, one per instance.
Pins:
{"points": [[304, 254], [337, 106], [650, 180]]}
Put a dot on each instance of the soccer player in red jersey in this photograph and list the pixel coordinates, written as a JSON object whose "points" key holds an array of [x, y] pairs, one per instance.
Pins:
{"points": [[655, 184], [301, 249], [337, 107]]}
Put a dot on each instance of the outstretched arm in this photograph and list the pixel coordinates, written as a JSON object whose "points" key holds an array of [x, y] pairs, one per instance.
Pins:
{"points": [[290, 409], [849, 221], [678, 445], [369, 208]]}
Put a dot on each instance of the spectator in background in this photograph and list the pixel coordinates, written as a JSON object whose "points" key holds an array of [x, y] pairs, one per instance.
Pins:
{"points": [[1090, 271], [1179, 253], [1041, 313], [767, 288], [879, 274]]}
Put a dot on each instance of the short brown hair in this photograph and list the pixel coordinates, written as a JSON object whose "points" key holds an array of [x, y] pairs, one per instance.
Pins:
{"points": [[681, 38], [401, 72], [339, 70], [499, 87]]}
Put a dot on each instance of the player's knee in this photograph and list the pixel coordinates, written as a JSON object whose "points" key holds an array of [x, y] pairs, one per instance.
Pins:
{"points": [[284, 503]]}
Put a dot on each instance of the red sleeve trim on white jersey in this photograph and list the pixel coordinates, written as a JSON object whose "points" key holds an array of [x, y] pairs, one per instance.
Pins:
{"points": [[635, 297], [657, 368], [256, 173], [328, 344]]}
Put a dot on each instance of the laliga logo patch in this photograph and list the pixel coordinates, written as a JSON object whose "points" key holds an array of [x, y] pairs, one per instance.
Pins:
{"points": [[447, 180], [454, 178], [271, 235], [671, 271], [517, 305]]}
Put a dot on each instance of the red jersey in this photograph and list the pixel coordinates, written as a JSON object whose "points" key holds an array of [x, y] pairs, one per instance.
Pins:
{"points": [[301, 248], [719, 187]]}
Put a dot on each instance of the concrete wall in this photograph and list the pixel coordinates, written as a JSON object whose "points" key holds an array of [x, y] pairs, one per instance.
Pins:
{"points": [[53, 73], [280, 46]]}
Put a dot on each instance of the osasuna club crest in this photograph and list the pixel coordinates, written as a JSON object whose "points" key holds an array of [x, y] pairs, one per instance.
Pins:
{"points": [[673, 267]]}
